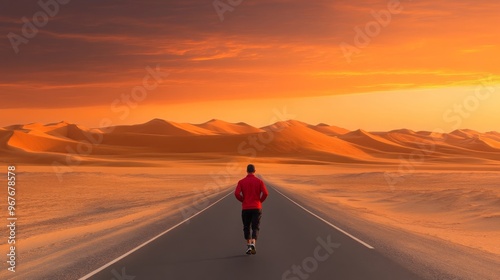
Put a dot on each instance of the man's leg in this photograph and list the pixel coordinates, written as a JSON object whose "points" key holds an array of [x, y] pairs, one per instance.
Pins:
{"points": [[246, 217], [256, 215]]}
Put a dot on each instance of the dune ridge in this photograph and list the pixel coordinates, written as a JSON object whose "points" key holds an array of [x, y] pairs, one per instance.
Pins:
{"points": [[330, 130], [284, 139], [160, 127], [222, 127]]}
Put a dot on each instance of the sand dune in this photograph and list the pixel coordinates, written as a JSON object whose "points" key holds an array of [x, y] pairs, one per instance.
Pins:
{"points": [[494, 143], [369, 140], [72, 131], [407, 138], [60, 129], [474, 142], [493, 135], [329, 129], [4, 137], [281, 139], [297, 137], [458, 147], [286, 139], [161, 127], [176, 144], [38, 141], [465, 133], [42, 144], [479, 144], [37, 126], [423, 141], [431, 134], [222, 127], [14, 127]]}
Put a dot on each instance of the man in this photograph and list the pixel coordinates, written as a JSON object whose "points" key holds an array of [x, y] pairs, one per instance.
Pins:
{"points": [[251, 191]]}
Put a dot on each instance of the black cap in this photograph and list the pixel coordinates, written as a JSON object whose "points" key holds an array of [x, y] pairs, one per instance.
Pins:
{"points": [[250, 168]]}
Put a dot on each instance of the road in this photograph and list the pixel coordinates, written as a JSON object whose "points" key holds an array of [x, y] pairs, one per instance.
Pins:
{"points": [[293, 245]]}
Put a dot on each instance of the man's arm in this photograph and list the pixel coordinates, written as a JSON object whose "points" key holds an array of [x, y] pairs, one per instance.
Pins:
{"points": [[264, 192], [237, 193]]}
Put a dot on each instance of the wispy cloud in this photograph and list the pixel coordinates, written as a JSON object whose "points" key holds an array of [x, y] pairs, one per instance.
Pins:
{"points": [[93, 50]]}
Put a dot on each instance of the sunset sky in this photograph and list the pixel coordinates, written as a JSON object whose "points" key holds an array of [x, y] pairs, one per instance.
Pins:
{"points": [[424, 65]]}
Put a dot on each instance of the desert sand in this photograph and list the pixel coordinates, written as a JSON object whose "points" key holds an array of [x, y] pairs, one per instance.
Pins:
{"points": [[135, 144], [442, 221], [96, 214], [87, 195], [461, 207]]}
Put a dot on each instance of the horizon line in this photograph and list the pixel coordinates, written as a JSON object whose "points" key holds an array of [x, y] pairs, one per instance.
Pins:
{"points": [[436, 130]]}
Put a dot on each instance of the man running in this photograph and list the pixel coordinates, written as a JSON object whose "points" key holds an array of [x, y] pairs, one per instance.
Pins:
{"points": [[251, 191]]}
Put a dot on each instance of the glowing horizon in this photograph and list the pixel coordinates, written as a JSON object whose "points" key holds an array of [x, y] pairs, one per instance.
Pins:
{"points": [[457, 108]]}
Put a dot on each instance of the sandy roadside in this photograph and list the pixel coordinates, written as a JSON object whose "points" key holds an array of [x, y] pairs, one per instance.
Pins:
{"points": [[68, 228], [443, 223]]}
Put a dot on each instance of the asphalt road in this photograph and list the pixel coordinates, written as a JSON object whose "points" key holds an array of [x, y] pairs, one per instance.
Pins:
{"points": [[293, 245]]}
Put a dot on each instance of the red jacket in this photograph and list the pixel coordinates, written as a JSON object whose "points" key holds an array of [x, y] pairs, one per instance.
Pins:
{"points": [[249, 192]]}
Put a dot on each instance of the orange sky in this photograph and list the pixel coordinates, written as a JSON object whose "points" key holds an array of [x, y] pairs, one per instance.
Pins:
{"points": [[265, 54]]}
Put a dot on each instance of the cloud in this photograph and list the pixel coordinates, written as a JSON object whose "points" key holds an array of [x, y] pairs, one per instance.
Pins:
{"points": [[93, 51]]}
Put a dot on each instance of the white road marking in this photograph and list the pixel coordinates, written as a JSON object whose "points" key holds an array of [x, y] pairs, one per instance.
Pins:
{"points": [[147, 242], [327, 222]]}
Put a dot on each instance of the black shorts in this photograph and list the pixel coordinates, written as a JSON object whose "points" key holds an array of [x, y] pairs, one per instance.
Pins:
{"points": [[251, 220]]}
